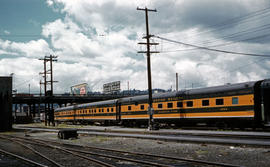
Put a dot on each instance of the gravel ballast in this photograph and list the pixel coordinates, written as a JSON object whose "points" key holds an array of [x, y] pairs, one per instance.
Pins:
{"points": [[244, 156]]}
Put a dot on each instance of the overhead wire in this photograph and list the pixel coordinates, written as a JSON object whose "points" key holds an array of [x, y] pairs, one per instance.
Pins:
{"points": [[239, 20], [220, 45], [238, 34], [209, 49]]}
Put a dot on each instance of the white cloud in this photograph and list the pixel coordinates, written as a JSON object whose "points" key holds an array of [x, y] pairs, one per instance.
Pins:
{"points": [[96, 43], [7, 32], [49, 2], [112, 55], [25, 72], [34, 49]]}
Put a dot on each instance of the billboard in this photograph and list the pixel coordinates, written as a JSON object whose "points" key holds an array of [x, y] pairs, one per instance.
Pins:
{"points": [[80, 89], [111, 87]]}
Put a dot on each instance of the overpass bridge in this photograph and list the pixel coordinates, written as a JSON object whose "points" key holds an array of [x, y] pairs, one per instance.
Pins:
{"points": [[61, 99], [36, 102]]}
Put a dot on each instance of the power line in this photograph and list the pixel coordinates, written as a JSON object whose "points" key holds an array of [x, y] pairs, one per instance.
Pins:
{"points": [[223, 44], [239, 34], [238, 20], [209, 49]]}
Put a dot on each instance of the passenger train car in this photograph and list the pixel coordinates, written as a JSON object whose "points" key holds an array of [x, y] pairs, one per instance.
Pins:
{"points": [[236, 105]]}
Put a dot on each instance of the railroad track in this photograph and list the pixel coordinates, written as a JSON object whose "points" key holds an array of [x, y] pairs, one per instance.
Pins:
{"points": [[52, 154], [257, 139], [109, 157], [12, 158]]}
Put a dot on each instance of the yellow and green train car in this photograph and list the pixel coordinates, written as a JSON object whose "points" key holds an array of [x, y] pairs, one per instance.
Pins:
{"points": [[243, 105]]}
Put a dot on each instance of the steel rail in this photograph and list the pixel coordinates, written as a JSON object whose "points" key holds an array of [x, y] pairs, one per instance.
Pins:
{"points": [[167, 157], [33, 150], [66, 150], [22, 158], [102, 155], [121, 158], [153, 155], [148, 154]]}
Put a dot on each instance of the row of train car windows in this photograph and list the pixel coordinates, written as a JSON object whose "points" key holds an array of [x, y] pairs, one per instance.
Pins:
{"points": [[169, 105], [141, 107], [96, 110], [204, 103], [190, 103]]}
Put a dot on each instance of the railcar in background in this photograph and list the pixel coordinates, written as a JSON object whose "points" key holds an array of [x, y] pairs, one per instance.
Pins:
{"points": [[235, 105]]}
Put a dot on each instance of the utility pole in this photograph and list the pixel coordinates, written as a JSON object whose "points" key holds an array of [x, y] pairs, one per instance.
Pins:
{"points": [[39, 98], [128, 87], [148, 52], [176, 82], [49, 112]]}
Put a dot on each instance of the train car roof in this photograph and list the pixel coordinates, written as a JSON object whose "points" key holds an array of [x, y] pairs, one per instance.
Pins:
{"points": [[208, 90], [144, 97], [64, 108], [106, 102], [219, 89]]}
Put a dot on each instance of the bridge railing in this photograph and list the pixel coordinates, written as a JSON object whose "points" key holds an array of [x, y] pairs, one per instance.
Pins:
{"points": [[71, 95]]}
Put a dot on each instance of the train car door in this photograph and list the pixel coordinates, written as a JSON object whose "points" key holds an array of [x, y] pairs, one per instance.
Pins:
{"points": [[265, 103], [118, 112], [180, 108], [74, 113]]}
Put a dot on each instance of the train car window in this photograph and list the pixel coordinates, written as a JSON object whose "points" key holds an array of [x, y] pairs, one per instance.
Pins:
{"points": [[108, 110], [219, 101], [136, 103], [169, 105], [99, 110], [111, 109], [189, 103], [142, 107], [102, 110], [95, 110], [235, 100], [129, 107], [205, 102], [159, 105], [179, 104]]}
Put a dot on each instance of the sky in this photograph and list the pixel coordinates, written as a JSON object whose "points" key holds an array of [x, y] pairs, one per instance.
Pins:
{"points": [[97, 42]]}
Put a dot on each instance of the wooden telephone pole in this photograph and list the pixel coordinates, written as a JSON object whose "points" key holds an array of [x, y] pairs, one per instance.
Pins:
{"points": [[49, 111], [148, 52]]}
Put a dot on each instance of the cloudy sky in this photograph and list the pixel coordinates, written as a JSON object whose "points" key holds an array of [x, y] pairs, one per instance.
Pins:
{"points": [[96, 42]]}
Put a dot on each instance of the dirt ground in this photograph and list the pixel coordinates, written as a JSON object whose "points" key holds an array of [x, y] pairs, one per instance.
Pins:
{"points": [[244, 156]]}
